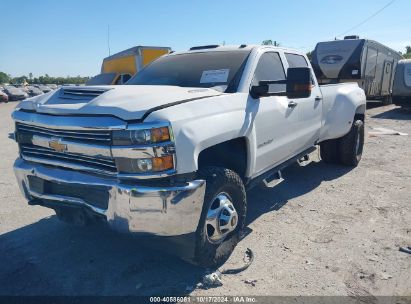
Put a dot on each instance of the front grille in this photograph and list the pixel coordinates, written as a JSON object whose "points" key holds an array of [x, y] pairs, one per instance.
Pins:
{"points": [[66, 159], [97, 196], [98, 137]]}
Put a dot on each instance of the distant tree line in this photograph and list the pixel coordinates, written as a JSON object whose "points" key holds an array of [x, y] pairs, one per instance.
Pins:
{"points": [[407, 52], [46, 79]]}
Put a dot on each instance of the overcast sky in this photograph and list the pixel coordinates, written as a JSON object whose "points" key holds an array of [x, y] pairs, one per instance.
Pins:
{"points": [[70, 37]]}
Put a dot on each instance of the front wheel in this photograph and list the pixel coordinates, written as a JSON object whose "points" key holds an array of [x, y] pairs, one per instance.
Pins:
{"points": [[223, 216]]}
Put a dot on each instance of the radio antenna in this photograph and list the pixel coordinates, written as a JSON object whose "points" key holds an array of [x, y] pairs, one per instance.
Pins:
{"points": [[108, 39]]}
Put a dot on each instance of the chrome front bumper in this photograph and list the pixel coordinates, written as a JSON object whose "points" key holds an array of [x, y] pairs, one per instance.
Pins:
{"points": [[161, 211]]}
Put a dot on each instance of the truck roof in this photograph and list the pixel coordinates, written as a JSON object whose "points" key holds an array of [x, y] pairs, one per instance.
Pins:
{"points": [[231, 48]]}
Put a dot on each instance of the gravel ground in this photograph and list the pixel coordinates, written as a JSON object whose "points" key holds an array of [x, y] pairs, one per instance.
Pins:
{"points": [[326, 230]]}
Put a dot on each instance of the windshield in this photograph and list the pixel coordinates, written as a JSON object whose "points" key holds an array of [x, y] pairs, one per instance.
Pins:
{"points": [[220, 70]]}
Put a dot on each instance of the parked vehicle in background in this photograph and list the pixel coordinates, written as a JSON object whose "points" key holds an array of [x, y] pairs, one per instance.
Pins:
{"points": [[172, 152], [3, 97], [52, 86], [367, 62], [104, 79], [15, 93], [401, 91], [33, 91], [120, 67], [43, 88]]}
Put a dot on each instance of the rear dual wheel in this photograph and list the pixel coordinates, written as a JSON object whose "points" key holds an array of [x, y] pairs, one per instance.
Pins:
{"points": [[346, 150]]}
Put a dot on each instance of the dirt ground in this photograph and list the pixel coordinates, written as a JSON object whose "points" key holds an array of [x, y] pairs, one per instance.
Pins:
{"points": [[326, 230]]}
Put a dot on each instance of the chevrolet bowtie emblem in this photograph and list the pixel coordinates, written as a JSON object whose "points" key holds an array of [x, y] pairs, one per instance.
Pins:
{"points": [[56, 145]]}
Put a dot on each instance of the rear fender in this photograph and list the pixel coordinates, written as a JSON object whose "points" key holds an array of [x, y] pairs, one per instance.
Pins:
{"points": [[340, 109]]}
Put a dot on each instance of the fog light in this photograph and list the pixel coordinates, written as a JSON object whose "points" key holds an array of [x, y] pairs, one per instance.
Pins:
{"points": [[145, 165]]}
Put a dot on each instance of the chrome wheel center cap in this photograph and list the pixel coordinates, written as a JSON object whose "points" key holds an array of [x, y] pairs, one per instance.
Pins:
{"points": [[222, 218]]}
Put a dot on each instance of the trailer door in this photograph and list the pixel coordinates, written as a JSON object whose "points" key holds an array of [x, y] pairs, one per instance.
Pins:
{"points": [[386, 78]]}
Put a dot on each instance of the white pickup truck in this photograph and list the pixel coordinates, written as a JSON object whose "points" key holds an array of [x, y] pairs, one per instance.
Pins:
{"points": [[172, 152]]}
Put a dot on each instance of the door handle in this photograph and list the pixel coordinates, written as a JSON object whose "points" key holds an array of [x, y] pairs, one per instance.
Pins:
{"points": [[292, 104], [318, 98]]}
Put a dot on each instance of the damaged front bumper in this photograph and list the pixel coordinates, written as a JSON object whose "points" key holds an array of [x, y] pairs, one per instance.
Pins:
{"points": [[127, 206]]}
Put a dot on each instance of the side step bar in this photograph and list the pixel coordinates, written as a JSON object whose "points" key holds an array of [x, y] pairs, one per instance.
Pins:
{"points": [[273, 180], [251, 183]]}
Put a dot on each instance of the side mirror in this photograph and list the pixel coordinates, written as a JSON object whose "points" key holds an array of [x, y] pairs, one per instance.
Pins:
{"points": [[259, 90], [298, 85], [299, 82]]}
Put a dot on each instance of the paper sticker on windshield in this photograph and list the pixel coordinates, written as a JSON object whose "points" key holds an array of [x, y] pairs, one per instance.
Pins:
{"points": [[212, 76]]}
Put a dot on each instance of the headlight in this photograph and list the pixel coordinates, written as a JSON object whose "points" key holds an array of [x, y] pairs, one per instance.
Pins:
{"points": [[143, 136]]}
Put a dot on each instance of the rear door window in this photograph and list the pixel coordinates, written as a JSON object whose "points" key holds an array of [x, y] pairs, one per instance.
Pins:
{"points": [[270, 67], [296, 61]]}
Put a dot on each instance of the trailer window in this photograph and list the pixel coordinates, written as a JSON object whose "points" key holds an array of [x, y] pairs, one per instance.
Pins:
{"points": [[407, 75], [371, 63], [296, 61], [270, 67]]}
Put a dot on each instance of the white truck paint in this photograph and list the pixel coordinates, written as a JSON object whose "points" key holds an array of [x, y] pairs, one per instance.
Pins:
{"points": [[227, 116], [274, 128]]}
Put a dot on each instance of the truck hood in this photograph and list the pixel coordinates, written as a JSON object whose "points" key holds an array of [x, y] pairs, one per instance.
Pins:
{"points": [[128, 102]]}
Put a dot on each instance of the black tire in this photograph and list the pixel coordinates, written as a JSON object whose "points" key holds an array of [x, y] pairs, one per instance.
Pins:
{"points": [[219, 180], [351, 145], [329, 151]]}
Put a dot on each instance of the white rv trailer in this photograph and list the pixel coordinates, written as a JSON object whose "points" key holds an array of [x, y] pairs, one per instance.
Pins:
{"points": [[367, 62], [401, 89]]}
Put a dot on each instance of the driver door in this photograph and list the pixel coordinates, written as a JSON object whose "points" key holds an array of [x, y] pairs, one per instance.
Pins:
{"points": [[276, 117]]}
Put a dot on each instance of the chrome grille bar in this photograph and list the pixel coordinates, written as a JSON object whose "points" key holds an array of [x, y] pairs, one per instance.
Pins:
{"points": [[102, 137], [44, 154]]}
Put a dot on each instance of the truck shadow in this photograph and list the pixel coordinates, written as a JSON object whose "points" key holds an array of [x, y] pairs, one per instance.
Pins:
{"points": [[297, 181], [52, 258], [396, 113]]}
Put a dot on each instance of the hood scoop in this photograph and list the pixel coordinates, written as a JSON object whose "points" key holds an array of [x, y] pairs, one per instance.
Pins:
{"points": [[75, 95]]}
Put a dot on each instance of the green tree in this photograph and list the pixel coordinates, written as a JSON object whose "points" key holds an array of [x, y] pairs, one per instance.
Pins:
{"points": [[270, 42], [4, 78], [310, 55], [407, 54], [19, 80]]}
